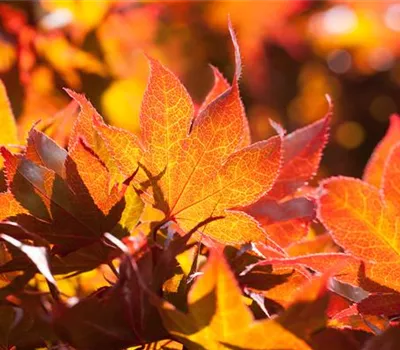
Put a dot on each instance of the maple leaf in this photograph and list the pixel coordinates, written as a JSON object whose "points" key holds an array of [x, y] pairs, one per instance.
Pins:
{"points": [[374, 304], [285, 221], [38, 255], [198, 167], [363, 219], [220, 86], [117, 148], [279, 274], [375, 167], [26, 318], [360, 221], [123, 314], [302, 153], [340, 318], [283, 213], [58, 127], [322, 243], [64, 199], [217, 316], [317, 262], [274, 283], [360, 311]]}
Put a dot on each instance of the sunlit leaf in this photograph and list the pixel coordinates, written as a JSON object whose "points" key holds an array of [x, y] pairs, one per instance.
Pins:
{"points": [[359, 220], [199, 169], [218, 317], [117, 148], [375, 167]]}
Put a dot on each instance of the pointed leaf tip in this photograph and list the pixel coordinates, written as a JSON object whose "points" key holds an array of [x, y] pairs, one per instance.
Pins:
{"points": [[301, 157], [238, 59], [38, 255], [72, 93], [219, 87], [330, 103], [44, 151], [278, 128]]}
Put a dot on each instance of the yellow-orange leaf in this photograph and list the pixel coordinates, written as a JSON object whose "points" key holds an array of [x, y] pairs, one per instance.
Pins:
{"points": [[9, 206], [83, 126], [165, 118], [391, 179], [218, 317], [364, 224], [355, 214], [117, 148], [219, 87], [122, 147], [94, 175], [374, 170]]}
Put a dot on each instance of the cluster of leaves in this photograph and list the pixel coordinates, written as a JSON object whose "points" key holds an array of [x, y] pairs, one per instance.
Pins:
{"points": [[212, 240]]}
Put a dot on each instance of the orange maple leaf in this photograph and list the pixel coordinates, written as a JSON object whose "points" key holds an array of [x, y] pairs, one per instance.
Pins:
{"points": [[364, 219], [198, 167], [119, 149], [284, 213], [62, 200], [374, 169]]}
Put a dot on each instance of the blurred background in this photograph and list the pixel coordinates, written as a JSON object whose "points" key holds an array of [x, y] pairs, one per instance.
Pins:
{"points": [[294, 52]]}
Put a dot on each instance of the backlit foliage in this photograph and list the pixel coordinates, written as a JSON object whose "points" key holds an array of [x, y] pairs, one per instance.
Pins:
{"points": [[184, 234]]}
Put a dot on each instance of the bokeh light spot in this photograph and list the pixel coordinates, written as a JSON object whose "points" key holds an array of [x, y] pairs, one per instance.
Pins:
{"points": [[339, 61], [392, 17], [350, 135], [381, 107], [381, 59], [339, 20], [57, 19]]}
